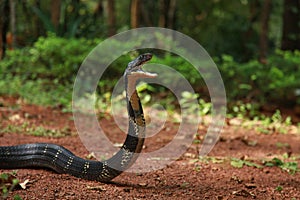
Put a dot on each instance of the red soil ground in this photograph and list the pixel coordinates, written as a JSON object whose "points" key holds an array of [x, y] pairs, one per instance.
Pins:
{"points": [[186, 178]]}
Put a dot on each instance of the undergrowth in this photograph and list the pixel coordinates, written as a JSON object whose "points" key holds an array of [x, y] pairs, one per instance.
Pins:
{"points": [[44, 73], [27, 128], [8, 182], [285, 163]]}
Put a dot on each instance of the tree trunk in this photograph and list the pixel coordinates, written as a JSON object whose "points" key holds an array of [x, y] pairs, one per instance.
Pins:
{"points": [[12, 6], [263, 43], [162, 16], [291, 27], [98, 12], [4, 24], [171, 14], [249, 34], [38, 31], [144, 13], [135, 14], [111, 18], [55, 12], [167, 10]]}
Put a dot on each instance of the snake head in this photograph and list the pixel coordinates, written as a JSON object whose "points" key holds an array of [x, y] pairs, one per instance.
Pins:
{"points": [[134, 68]]}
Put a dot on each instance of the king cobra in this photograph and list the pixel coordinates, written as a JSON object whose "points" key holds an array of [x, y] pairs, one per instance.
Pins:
{"points": [[61, 160]]}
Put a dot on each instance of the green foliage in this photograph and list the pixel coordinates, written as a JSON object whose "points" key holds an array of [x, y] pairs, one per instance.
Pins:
{"points": [[48, 68], [289, 166], [208, 159], [44, 73], [192, 102], [76, 18], [188, 102], [272, 124], [222, 26], [238, 163], [279, 188], [52, 57], [8, 182], [281, 145], [231, 27], [244, 110], [40, 91], [261, 123], [182, 66], [35, 130], [277, 81]]}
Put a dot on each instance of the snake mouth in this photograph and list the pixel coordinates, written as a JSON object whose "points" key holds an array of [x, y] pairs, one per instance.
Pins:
{"points": [[139, 72], [134, 68]]}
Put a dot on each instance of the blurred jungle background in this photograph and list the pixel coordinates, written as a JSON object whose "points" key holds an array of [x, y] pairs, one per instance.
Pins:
{"points": [[255, 45]]}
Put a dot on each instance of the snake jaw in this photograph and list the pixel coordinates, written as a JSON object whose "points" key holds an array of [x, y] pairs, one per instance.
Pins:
{"points": [[143, 74]]}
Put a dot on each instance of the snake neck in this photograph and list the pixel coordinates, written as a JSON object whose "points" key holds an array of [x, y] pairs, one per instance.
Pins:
{"points": [[137, 123], [134, 105]]}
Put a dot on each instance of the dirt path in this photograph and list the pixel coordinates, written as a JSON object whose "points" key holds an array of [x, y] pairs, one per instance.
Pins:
{"points": [[212, 177]]}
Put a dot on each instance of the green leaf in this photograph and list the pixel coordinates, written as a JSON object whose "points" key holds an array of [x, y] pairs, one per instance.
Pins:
{"points": [[15, 181], [237, 163], [279, 188], [17, 197], [252, 164], [44, 18], [277, 162], [4, 176], [245, 86]]}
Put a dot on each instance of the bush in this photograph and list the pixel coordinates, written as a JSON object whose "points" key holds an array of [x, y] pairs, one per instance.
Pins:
{"points": [[49, 67], [50, 57], [44, 73], [277, 81]]}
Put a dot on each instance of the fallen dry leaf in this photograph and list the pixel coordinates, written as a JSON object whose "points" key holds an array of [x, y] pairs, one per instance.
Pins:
{"points": [[24, 184]]}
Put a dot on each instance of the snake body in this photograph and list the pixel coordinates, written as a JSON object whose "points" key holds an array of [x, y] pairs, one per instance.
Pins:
{"points": [[61, 160]]}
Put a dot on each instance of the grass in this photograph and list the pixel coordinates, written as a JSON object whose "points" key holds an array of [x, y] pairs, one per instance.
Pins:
{"points": [[279, 188], [267, 125], [288, 165], [39, 92], [239, 163], [26, 128], [282, 145], [47, 92]]}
